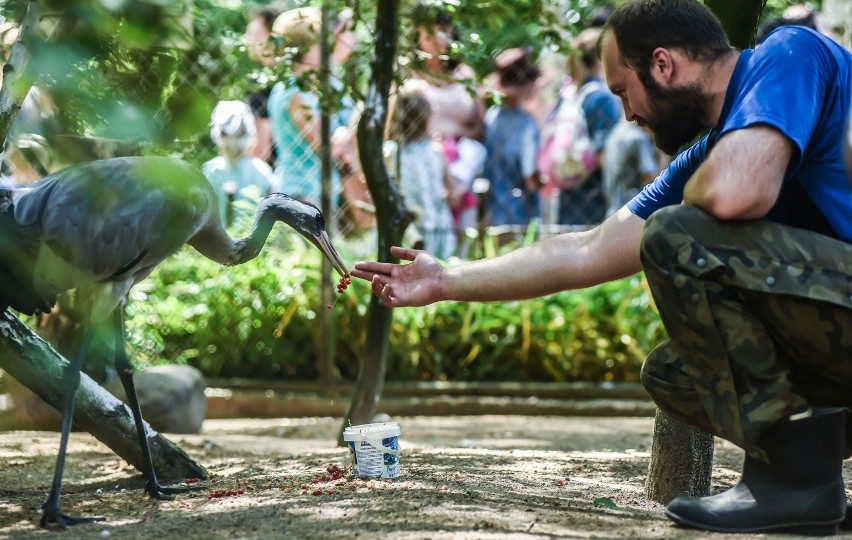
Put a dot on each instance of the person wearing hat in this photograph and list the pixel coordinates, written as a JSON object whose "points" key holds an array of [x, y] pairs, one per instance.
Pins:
{"points": [[512, 141], [294, 108]]}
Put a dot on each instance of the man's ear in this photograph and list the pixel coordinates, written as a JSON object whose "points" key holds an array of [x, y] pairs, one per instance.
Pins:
{"points": [[662, 65]]}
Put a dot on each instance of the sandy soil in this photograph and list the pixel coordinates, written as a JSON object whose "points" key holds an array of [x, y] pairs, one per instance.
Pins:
{"points": [[462, 477]]}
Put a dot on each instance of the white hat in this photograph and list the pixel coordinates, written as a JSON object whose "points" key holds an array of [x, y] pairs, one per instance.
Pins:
{"points": [[232, 127]]}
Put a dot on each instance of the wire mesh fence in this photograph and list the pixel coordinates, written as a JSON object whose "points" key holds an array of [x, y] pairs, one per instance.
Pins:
{"points": [[454, 199], [180, 89], [218, 67]]}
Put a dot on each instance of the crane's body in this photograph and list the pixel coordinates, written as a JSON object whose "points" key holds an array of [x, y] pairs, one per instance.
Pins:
{"points": [[103, 226]]}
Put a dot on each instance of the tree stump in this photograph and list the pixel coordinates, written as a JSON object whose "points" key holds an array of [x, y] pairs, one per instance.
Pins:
{"points": [[681, 461]]}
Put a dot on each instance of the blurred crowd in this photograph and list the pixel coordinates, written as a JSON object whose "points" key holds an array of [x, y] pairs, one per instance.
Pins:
{"points": [[538, 139]]}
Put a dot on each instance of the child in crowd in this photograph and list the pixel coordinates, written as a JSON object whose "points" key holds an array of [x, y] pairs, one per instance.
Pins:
{"points": [[512, 141], [422, 173], [234, 173]]}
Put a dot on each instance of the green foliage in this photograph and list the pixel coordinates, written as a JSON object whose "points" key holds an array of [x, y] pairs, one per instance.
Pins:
{"points": [[261, 319], [257, 320], [600, 333], [775, 8], [486, 27], [110, 75]]}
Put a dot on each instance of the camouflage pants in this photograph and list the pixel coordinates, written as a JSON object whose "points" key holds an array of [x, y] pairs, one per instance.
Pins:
{"points": [[759, 317]]}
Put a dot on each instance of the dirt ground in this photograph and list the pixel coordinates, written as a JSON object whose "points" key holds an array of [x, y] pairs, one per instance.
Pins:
{"points": [[477, 477]]}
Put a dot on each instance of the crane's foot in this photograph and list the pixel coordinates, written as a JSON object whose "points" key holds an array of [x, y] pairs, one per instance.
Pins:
{"points": [[167, 493], [52, 514]]}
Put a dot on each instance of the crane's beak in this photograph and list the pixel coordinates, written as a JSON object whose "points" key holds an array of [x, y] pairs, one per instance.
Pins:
{"points": [[324, 244]]}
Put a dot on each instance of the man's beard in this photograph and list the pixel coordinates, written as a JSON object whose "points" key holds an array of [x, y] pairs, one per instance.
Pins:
{"points": [[676, 115]]}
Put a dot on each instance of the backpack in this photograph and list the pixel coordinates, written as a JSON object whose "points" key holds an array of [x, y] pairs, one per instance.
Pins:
{"points": [[567, 156]]}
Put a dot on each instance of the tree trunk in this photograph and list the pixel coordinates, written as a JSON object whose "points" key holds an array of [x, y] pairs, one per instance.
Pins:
{"points": [[391, 215], [15, 85], [36, 365], [739, 18], [681, 461], [682, 457]]}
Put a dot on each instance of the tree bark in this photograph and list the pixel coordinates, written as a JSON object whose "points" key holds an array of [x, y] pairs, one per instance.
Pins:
{"points": [[392, 216], [739, 18], [15, 86], [681, 461], [682, 457], [36, 365]]}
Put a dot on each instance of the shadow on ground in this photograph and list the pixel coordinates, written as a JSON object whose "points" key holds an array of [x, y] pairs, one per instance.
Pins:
{"points": [[477, 477]]}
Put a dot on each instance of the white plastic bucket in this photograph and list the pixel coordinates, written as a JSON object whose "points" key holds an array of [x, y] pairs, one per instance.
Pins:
{"points": [[374, 449]]}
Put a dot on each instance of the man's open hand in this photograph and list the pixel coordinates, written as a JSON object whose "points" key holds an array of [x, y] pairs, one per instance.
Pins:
{"points": [[399, 285]]}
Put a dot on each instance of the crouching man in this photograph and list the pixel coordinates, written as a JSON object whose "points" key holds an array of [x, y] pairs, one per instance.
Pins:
{"points": [[746, 241]]}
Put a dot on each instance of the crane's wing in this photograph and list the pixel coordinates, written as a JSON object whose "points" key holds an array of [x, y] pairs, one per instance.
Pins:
{"points": [[111, 219]]}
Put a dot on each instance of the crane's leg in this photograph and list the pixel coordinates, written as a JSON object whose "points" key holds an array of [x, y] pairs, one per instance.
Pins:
{"points": [[125, 373], [50, 508]]}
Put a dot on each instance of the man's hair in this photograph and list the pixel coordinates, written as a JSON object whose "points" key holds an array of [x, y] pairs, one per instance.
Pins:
{"points": [[640, 26]]}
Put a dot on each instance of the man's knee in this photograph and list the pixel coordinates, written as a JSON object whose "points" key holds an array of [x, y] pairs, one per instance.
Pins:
{"points": [[662, 375], [674, 225], [670, 388]]}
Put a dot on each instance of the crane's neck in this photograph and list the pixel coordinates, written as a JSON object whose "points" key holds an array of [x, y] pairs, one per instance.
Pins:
{"points": [[249, 247], [214, 242]]}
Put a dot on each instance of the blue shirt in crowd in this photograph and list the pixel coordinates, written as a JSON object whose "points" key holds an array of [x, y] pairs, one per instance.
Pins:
{"points": [[512, 140]]}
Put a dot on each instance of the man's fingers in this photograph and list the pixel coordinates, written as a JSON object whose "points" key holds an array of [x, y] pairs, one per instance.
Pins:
{"points": [[404, 254], [383, 291], [366, 269], [362, 274], [381, 288], [386, 295], [376, 284], [370, 266]]}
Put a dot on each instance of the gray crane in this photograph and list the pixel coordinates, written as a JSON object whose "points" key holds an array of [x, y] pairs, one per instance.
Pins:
{"points": [[100, 228]]}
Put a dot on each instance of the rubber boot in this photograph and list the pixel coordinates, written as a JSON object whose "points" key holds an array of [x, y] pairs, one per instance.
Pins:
{"points": [[799, 491], [846, 524]]}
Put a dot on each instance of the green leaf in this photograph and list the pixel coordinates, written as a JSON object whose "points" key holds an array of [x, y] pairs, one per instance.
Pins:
{"points": [[605, 501]]}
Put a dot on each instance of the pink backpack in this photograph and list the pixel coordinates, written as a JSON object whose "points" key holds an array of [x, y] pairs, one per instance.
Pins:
{"points": [[567, 155]]}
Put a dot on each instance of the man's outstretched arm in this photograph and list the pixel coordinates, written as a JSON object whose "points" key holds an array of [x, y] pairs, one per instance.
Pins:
{"points": [[567, 261]]}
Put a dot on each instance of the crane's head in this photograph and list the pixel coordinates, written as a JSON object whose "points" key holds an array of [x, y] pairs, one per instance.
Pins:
{"points": [[308, 221]]}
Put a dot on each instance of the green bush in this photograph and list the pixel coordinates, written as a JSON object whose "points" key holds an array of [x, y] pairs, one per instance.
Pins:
{"points": [[262, 319], [602, 333]]}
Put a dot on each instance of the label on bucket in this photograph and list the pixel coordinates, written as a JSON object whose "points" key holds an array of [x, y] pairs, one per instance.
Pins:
{"points": [[374, 449]]}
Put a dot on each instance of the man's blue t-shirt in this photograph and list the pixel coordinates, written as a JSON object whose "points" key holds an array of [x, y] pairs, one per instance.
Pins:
{"points": [[799, 82]]}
